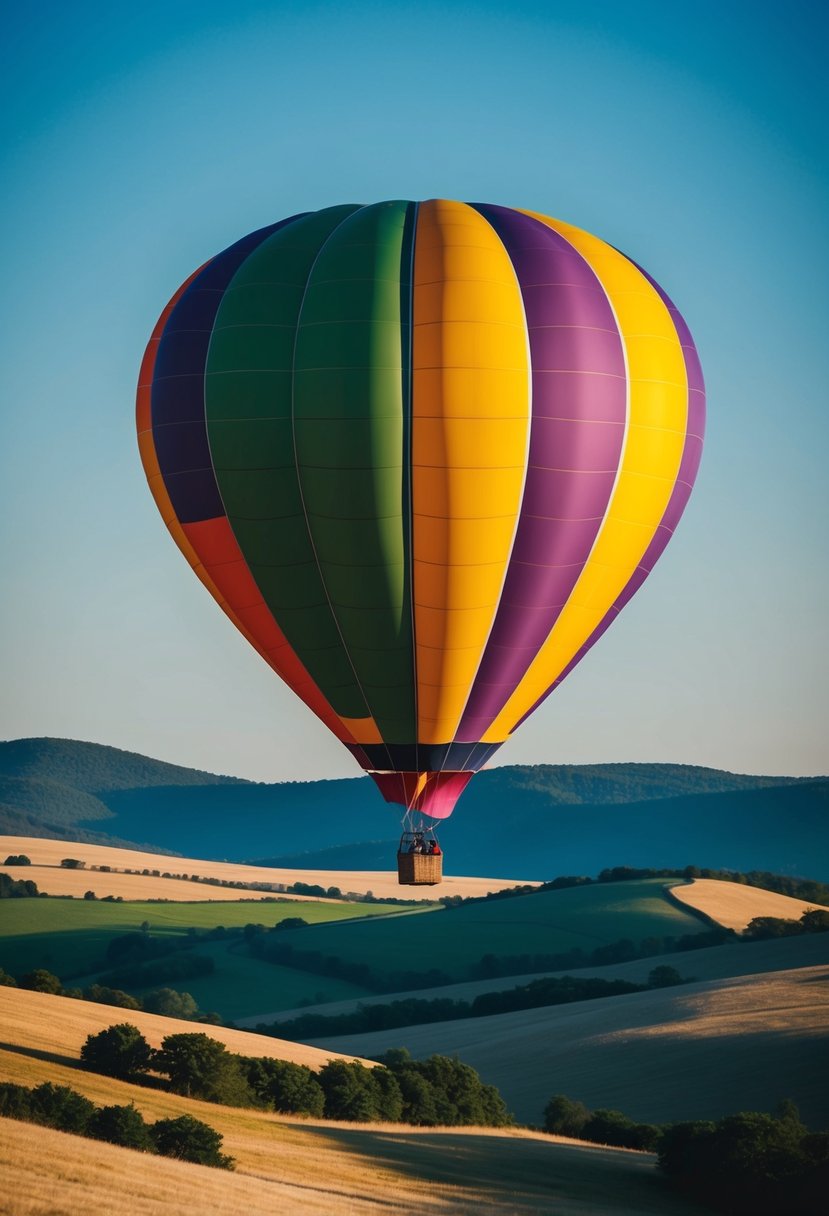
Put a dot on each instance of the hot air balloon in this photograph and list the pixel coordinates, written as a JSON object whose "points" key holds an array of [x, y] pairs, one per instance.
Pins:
{"points": [[422, 455]]}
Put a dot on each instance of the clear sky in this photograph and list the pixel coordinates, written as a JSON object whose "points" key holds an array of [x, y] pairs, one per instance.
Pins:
{"points": [[138, 140]]}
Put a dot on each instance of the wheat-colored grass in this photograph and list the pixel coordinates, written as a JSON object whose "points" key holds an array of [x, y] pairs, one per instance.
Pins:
{"points": [[44, 1023], [315, 1168], [733, 905], [44, 852], [693, 1052]]}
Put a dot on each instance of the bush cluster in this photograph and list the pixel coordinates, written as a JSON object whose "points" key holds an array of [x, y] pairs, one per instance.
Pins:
{"points": [[166, 1001], [565, 1117], [750, 1164], [63, 1108], [427, 1093]]}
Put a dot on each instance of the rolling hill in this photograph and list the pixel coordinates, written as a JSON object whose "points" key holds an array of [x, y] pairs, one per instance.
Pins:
{"points": [[318, 1168], [532, 820], [699, 1051]]}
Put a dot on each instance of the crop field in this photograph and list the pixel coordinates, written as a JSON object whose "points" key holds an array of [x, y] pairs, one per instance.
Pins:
{"points": [[733, 905], [45, 852], [548, 922], [285, 1163], [69, 937]]}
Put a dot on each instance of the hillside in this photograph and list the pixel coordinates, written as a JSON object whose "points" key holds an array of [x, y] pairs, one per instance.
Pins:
{"points": [[306, 1166], [534, 820], [733, 905], [695, 1052], [709, 963]]}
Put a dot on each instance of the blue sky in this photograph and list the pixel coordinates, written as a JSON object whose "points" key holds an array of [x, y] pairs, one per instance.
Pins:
{"points": [[138, 141]]}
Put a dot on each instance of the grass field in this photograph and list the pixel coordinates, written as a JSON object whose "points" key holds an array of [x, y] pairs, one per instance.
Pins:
{"points": [[307, 1167], [694, 1052], [549, 922], [710, 963], [69, 937], [241, 983]]}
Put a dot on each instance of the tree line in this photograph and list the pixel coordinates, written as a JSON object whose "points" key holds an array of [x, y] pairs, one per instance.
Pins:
{"points": [[427, 1093], [414, 1011], [66, 1110]]}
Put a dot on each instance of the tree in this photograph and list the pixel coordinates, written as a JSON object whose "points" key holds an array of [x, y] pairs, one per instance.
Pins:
{"points": [[612, 1127], [389, 1099], [122, 1125], [41, 981], [565, 1116], [350, 1092], [103, 995], [664, 977], [89, 895], [201, 1067], [72, 863], [190, 1140], [119, 1051], [171, 1004], [6, 980], [418, 1096], [289, 1088], [17, 859], [61, 1107]]}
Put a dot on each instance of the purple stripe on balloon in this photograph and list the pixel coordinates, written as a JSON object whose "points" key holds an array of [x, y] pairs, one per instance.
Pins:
{"points": [[688, 467], [177, 394], [576, 435]]}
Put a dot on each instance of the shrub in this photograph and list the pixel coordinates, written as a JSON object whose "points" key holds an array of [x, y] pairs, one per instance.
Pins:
{"points": [[72, 863], [41, 981], [119, 1051], [122, 1125], [6, 980], [190, 1140], [89, 895], [612, 1127], [15, 1101], [17, 859], [61, 1107]]}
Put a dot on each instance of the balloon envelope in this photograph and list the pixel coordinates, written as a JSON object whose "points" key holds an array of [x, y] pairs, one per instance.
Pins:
{"points": [[422, 454]]}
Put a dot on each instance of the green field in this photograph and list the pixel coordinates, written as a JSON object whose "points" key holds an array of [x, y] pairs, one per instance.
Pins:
{"points": [[241, 986], [549, 922], [70, 936]]}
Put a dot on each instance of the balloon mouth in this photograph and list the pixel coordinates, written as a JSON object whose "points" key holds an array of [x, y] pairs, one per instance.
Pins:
{"points": [[430, 793]]}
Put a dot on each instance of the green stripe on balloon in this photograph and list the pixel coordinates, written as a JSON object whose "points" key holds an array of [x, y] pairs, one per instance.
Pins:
{"points": [[349, 422], [249, 410]]}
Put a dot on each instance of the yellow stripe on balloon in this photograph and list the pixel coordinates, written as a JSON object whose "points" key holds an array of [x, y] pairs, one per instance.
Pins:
{"points": [[654, 440], [470, 430]]}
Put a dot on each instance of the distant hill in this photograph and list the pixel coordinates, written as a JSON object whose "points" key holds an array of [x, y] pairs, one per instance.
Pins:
{"points": [[534, 821]]}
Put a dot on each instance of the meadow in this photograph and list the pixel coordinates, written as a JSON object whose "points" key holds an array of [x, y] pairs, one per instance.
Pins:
{"points": [[69, 936], [546, 922]]}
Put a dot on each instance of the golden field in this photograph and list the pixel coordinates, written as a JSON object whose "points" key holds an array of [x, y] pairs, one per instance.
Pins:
{"points": [[57, 881], [733, 905], [319, 1169]]}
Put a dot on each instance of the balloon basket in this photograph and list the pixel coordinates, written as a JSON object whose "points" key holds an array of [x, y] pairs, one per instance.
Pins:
{"points": [[419, 869]]}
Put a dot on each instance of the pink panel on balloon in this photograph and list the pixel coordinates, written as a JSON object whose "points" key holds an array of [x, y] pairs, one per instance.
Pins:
{"points": [[436, 798]]}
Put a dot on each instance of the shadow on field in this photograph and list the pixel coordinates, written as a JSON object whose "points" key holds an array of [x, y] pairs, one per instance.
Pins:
{"points": [[52, 1057], [521, 1176]]}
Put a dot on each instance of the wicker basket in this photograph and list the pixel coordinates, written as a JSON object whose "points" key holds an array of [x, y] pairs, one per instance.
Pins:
{"points": [[419, 869]]}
